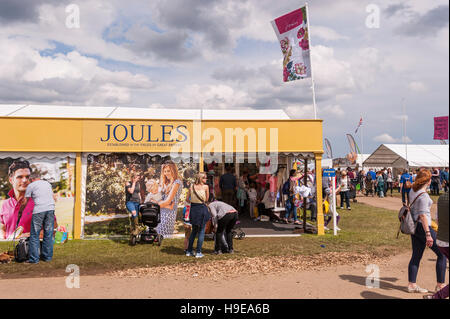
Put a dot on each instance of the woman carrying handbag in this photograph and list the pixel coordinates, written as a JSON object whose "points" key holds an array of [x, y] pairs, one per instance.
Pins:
{"points": [[199, 213], [424, 235]]}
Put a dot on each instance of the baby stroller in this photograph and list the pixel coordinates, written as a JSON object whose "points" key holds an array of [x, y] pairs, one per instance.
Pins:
{"points": [[237, 231], [149, 218]]}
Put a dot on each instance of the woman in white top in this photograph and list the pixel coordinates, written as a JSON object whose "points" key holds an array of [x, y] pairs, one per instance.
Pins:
{"points": [[345, 188], [424, 235], [389, 181]]}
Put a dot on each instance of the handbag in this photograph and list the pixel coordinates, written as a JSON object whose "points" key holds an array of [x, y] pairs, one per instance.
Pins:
{"points": [[22, 250], [209, 226], [407, 224]]}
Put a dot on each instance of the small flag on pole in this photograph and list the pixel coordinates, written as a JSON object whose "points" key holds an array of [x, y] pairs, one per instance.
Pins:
{"points": [[292, 32], [359, 124]]}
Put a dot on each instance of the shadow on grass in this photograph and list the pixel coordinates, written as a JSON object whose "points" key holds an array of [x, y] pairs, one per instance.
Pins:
{"points": [[179, 251], [118, 226]]}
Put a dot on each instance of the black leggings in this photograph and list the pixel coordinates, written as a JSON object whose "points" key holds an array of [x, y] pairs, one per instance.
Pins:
{"points": [[224, 237], [390, 185], [418, 242]]}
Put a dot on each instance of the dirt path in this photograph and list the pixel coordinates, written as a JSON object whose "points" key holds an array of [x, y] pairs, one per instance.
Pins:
{"points": [[391, 203], [338, 282], [335, 282]]}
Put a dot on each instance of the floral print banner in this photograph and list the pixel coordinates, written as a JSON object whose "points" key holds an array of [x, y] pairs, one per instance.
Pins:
{"points": [[292, 32]]}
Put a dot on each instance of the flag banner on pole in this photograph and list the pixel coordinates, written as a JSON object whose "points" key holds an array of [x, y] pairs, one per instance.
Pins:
{"points": [[353, 146], [328, 149], [441, 128], [292, 32], [359, 124]]}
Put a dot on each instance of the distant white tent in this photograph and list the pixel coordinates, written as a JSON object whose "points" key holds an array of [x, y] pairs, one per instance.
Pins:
{"points": [[395, 156], [327, 163]]}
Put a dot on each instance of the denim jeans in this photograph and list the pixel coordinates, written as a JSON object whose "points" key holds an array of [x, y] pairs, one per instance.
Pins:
{"points": [[290, 207], [133, 206], [200, 229], [405, 193], [41, 220], [345, 196], [418, 241]]}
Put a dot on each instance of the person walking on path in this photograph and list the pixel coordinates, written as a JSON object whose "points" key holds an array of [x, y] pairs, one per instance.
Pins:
{"points": [[435, 181], [199, 214], [389, 181], [380, 184], [224, 217], [345, 188], [442, 240], [228, 186], [444, 179], [406, 181], [424, 235], [43, 217]]}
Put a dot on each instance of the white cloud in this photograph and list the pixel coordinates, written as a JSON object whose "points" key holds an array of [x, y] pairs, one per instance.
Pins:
{"points": [[386, 138], [63, 78], [327, 34], [300, 111], [333, 110], [212, 96], [418, 86]]}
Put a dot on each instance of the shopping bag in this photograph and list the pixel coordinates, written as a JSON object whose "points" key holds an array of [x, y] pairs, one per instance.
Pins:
{"points": [[61, 235]]}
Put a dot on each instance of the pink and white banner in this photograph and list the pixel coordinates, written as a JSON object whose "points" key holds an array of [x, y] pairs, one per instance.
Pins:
{"points": [[292, 32], [441, 128]]}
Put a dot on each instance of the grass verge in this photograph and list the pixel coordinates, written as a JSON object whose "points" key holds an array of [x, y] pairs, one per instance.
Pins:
{"points": [[364, 229]]}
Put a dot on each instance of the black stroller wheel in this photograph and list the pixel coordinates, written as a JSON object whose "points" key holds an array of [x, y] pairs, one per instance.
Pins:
{"points": [[241, 235], [133, 240], [159, 239]]}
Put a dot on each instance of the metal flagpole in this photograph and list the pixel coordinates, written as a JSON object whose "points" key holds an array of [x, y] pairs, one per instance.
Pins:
{"points": [[310, 60], [362, 146], [334, 206], [404, 133]]}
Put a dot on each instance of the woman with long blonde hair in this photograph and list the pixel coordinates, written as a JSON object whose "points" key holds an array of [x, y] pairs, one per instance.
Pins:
{"points": [[171, 187], [199, 213], [424, 235]]}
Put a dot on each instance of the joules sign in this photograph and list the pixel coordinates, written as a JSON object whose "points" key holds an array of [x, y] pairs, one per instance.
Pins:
{"points": [[144, 133]]}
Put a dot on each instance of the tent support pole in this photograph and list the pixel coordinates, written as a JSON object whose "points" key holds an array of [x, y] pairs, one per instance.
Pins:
{"points": [[319, 206], [305, 182], [77, 214]]}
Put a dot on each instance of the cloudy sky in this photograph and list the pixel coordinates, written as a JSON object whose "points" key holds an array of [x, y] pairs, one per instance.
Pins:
{"points": [[225, 54]]}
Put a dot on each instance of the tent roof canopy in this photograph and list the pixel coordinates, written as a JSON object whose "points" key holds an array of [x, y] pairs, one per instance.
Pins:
{"points": [[394, 155], [103, 112]]}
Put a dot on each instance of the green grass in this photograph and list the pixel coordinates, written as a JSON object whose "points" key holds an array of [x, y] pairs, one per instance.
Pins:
{"points": [[434, 198], [364, 229]]}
